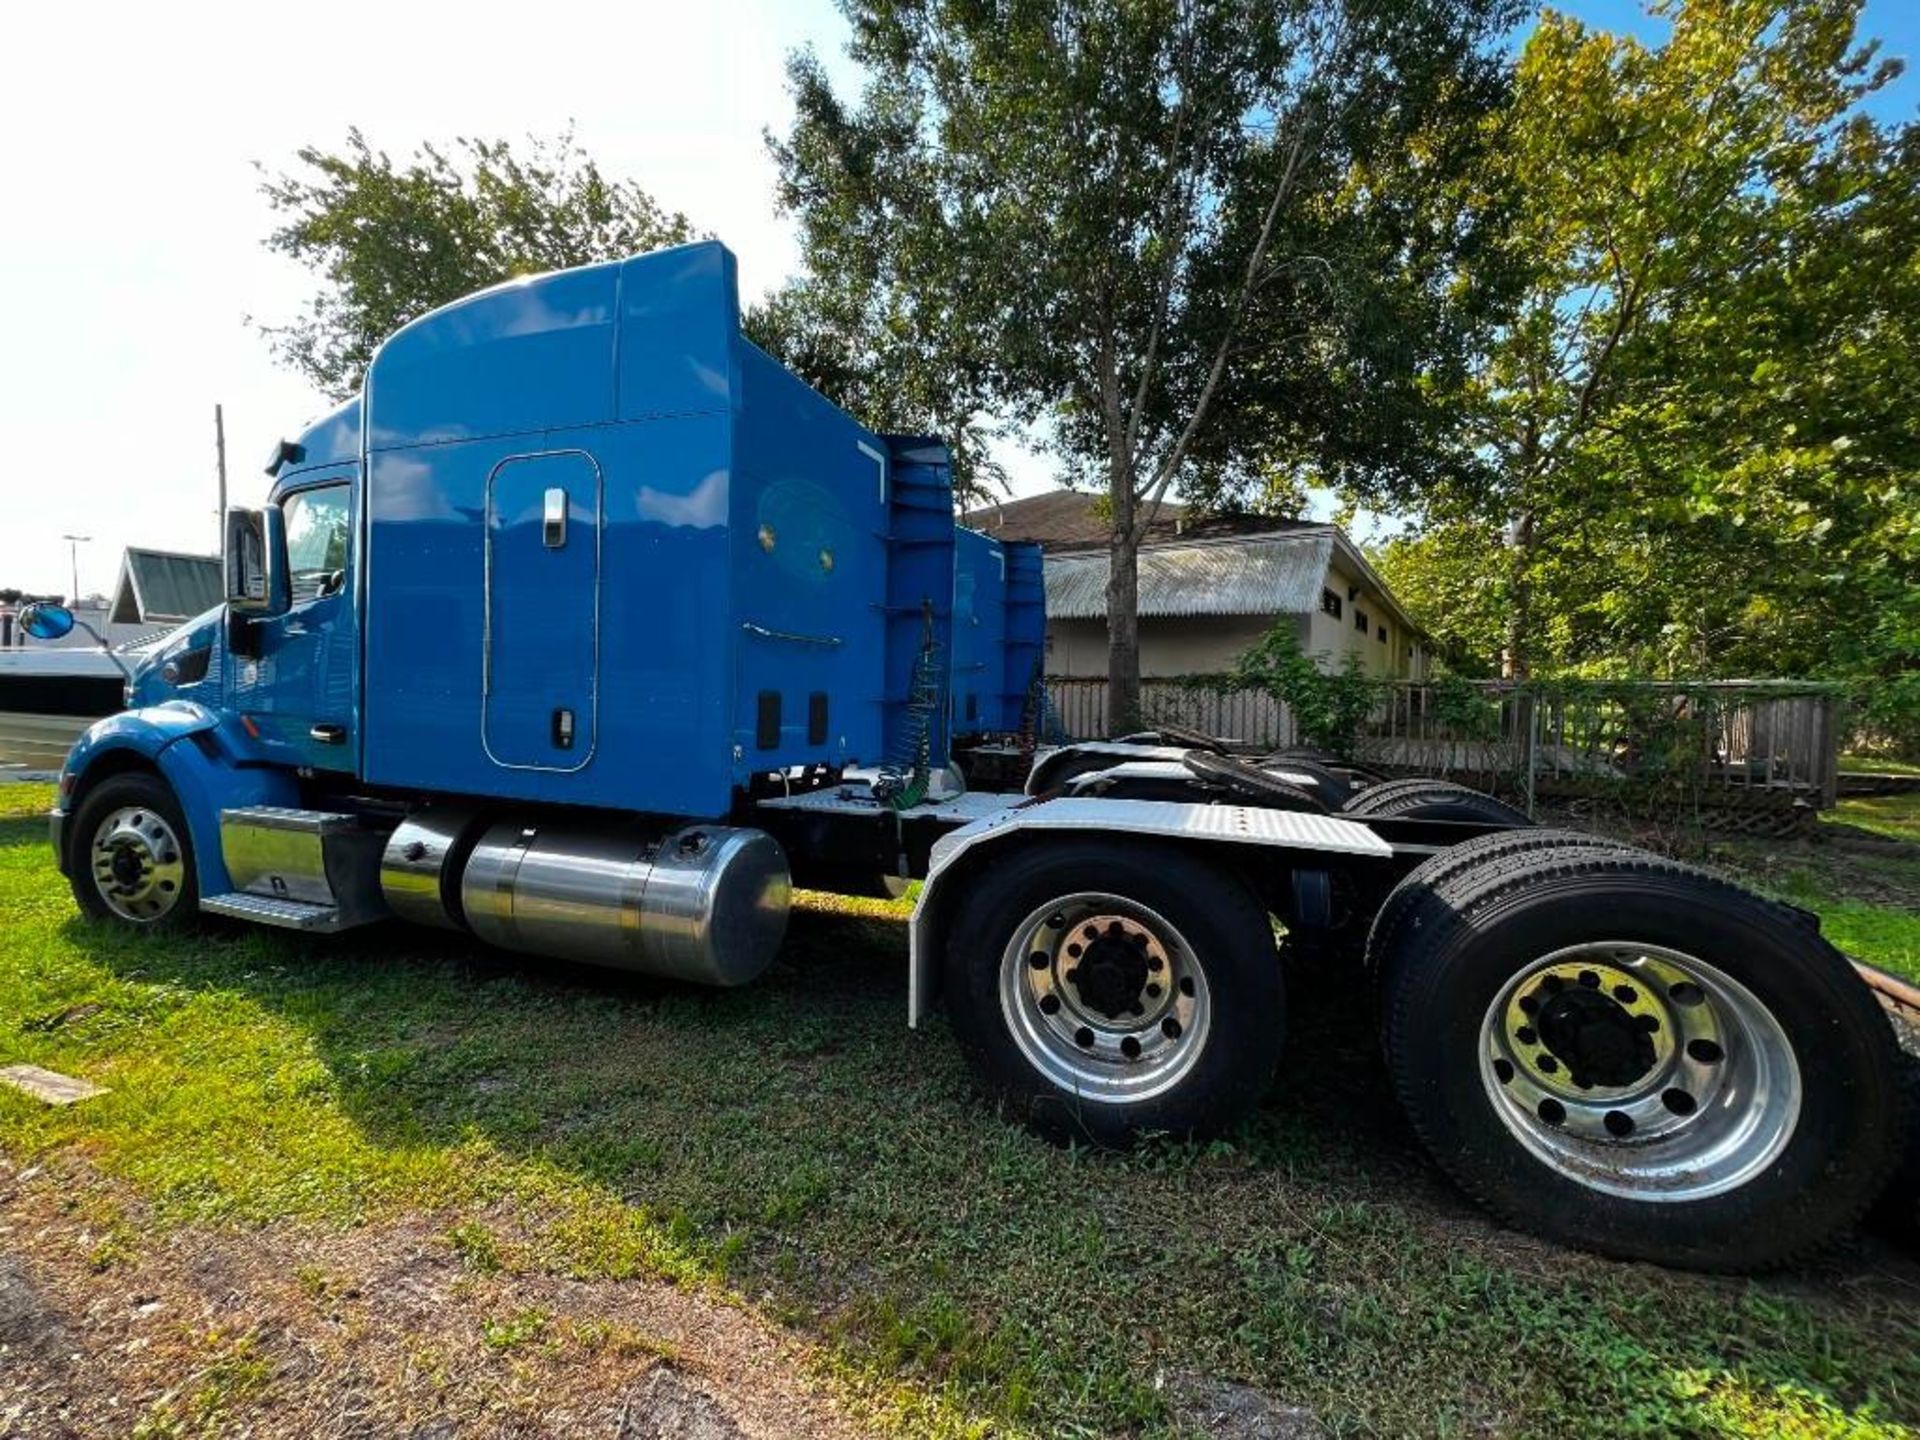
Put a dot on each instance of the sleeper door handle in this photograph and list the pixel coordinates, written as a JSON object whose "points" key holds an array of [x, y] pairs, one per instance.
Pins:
{"points": [[329, 734]]}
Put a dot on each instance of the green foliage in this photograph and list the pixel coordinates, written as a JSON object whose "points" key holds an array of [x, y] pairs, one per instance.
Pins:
{"points": [[1702, 416], [1205, 244], [883, 369], [1330, 705], [390, 242]]}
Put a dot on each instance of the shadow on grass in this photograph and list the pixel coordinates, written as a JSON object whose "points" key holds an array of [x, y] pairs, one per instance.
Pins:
{"points": [[795, 1136]]}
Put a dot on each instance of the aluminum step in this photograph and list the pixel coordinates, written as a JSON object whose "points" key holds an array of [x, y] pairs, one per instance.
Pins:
{"points": [[269, 910], [304, 869], [280, 817]]}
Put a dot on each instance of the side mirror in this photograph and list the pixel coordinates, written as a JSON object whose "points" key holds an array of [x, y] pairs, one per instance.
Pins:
{"points": [[44, 620], [256, 569]]}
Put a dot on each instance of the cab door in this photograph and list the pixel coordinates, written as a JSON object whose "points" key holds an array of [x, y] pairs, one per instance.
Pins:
{"points": [[297, 692]]}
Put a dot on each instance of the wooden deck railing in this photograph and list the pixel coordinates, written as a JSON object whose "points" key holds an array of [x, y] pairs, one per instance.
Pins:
{"points": [[1762, 738]]}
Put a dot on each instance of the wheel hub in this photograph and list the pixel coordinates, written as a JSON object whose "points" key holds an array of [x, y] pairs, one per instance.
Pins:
{"points": [[1640, 1071], [129, 863], [138, 868], [1105, 997], [1111, 974], [1594, 1037]]}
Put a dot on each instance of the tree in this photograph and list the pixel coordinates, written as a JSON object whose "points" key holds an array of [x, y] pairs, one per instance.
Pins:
{"points": [[390, 243], [1702, 405], [1204, 242], [875, 368]]}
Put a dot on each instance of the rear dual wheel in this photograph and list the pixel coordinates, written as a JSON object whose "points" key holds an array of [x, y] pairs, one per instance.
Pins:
{"points": [[1425, 799], [1105, 989], [1631, 1056]]}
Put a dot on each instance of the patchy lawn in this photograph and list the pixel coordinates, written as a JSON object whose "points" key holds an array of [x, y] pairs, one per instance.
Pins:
{"points": [[1896, 817], [1869, 765], [1860, 871], [557, 1143]]}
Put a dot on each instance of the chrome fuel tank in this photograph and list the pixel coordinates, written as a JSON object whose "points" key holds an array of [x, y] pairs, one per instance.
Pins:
{"points": [[706, 904]]}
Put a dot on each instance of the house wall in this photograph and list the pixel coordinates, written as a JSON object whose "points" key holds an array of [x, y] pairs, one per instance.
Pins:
{"points": [[1384, 647], [1169, 644], [1209, 644]]}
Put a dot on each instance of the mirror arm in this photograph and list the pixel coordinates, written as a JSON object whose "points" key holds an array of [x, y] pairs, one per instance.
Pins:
{"points": [[105, 649]]}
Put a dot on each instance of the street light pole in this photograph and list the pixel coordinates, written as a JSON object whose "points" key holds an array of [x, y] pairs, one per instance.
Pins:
{"points": [[74, 542]]}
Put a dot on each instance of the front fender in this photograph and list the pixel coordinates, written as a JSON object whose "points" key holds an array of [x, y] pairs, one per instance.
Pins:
{"points": [[146, 732], [210, 765]]}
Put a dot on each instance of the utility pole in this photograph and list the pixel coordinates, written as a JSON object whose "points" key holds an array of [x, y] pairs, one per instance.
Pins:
{"points": [[74, 542], [220, 463]]}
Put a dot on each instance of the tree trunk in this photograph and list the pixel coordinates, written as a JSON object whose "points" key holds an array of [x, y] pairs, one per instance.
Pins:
{"points": [[1516, 661], [1123, 630]]}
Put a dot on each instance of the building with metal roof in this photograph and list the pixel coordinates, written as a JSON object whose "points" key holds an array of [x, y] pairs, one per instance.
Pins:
{"points": [[1209, 588], [159, 587]]}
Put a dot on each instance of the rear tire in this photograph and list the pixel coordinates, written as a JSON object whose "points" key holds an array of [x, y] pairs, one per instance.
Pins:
{"points": [[130, 855], [1436, 872], [1106, 989], [1333, 789], [1251, 785], [1740, 1103], [1423, 799]]}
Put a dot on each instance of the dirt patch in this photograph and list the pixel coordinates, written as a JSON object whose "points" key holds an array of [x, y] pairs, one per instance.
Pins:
{"points": [[1201, 1406], [27, 1322], [666, 1405], [378, 1331]]}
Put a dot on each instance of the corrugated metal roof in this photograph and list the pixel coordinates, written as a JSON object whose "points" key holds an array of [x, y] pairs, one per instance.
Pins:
{"points": [[1251, 575], [1062, 520], [164, 585]]}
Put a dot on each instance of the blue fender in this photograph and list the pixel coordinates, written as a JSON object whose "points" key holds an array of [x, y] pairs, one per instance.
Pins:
{"points": [[209, 762]]}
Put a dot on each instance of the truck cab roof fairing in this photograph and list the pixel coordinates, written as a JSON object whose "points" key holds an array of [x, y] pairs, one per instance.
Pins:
{"points": [[545, 352]]}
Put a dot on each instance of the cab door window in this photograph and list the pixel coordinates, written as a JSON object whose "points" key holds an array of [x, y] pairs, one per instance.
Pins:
{"points": [[317, 528]]}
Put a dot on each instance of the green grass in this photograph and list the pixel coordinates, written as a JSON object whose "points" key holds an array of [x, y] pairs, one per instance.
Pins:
{"points": [[1866, 891], [793, 1141], [1868, 765], [1877, 934], [1897, 817]]}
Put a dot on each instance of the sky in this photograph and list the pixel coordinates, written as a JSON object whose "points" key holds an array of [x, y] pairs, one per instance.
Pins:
{"points": [[132, 220]]}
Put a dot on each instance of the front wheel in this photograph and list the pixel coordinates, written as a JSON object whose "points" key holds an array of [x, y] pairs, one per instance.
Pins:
{"points": [[1107, 990], [1635, 1057], [131, 859]]}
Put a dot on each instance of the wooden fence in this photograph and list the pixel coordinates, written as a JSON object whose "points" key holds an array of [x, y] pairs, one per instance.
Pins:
{"points": [[1767, 743]]}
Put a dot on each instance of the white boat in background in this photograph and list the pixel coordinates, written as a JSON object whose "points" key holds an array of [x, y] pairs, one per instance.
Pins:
{"points": [[49, 694]]}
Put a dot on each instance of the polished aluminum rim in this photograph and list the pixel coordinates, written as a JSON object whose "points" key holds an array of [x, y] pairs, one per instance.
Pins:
{"points": [[139, 868], [1640, 1071], [1104, 997]]}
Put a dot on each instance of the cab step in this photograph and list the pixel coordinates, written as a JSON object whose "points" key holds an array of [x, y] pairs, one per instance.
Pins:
{"points": [[266, 910], [313, 870]]}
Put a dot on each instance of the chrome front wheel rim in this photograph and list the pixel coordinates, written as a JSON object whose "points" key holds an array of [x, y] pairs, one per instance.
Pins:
{"points": [[138, 864], [1640, 1071], [1105, 998]]}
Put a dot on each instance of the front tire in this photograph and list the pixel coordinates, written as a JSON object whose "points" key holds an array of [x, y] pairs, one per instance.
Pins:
{"points": [[131, 860], [1630, 1056], [1106, 989]]}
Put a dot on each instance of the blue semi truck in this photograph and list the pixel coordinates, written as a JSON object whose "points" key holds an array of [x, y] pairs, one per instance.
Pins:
{"points": [[588, 629]]}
